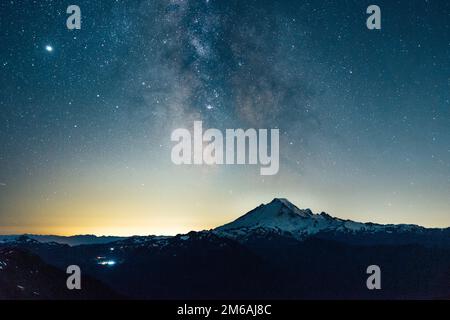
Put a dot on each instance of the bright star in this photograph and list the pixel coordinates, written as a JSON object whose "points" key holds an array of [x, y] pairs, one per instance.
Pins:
{"points": [[49, 48]]}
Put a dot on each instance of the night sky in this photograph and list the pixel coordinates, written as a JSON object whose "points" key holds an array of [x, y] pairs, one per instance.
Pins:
{"points": [[86, 115]]}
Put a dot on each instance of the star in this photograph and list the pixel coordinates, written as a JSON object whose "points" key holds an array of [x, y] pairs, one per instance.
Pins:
{"points": [[49, 48]]}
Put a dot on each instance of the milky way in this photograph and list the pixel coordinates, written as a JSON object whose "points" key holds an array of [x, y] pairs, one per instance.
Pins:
{"points": [[364, 115]]}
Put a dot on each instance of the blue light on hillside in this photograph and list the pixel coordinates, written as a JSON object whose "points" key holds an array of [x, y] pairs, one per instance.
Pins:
{"points": [[107, 263]]}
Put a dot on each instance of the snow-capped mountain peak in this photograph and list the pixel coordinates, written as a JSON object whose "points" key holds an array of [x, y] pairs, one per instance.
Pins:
{"points": [[283, 217], [285, 206], [280, 215]]}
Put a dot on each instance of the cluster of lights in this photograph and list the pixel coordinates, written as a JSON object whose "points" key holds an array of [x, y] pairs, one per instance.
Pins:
{"points": [[103, 262], [107, 263]]}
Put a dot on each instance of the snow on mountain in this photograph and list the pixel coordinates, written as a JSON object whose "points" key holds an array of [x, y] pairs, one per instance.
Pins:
{"points": [[278, 218], [69, 240], [281, 216]]}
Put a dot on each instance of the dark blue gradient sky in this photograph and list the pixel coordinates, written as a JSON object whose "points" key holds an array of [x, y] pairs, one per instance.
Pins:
{"points": [[85, 131]]}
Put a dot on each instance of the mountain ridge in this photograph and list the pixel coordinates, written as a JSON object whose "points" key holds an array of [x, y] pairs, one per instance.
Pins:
{"points": [[278, 216], [282, 217], [274, 251], [73, 240]]}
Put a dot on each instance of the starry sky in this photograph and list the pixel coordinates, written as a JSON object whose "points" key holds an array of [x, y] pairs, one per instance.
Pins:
{"points": [[86, 115]]}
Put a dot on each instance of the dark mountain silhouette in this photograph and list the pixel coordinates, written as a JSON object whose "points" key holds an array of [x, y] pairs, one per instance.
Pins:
{"points": [[25, 276], [70, 240], [275, 251], [194, 265]]}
